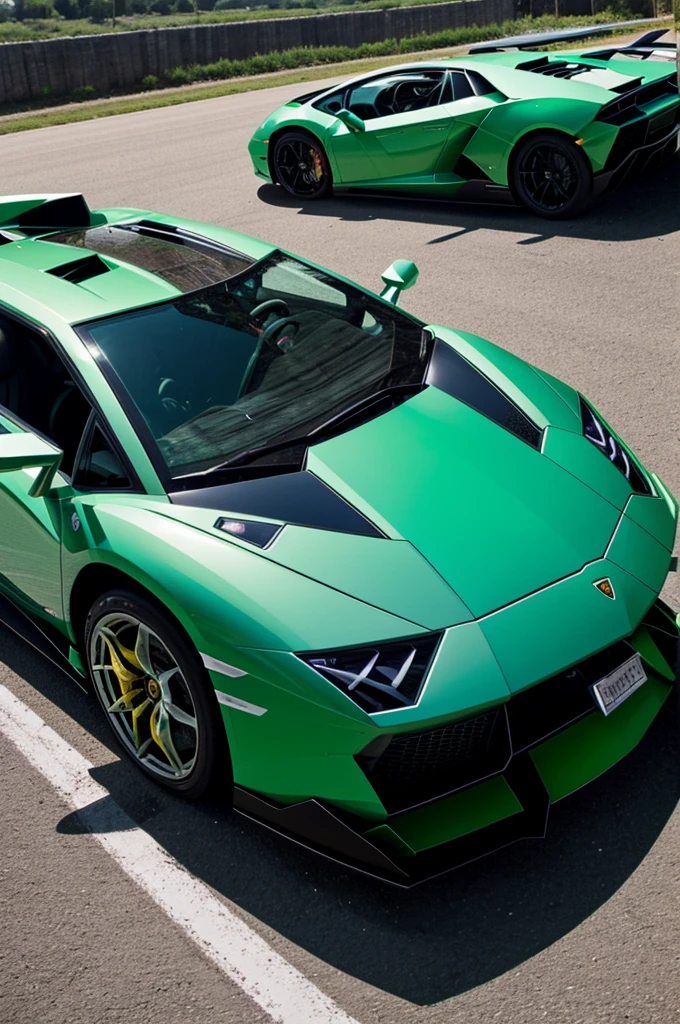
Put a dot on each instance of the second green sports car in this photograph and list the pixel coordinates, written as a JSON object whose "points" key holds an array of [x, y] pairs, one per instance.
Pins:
{"points": [[547, 129], [388, 586]]}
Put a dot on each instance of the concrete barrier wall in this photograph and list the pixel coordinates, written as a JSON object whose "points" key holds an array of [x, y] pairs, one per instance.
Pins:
{"points": [[56, 67]]}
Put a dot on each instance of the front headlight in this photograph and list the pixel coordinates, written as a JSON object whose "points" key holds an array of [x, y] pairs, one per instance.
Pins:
{"points": [[382, 677], [595, 430]]}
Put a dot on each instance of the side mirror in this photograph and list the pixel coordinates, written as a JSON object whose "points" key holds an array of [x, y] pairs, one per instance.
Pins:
{"points": [[26, 451], [354, 123], [401, 275]]}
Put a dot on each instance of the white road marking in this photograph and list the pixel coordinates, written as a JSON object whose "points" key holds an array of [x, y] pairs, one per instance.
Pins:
{"points": [[278, 987]]}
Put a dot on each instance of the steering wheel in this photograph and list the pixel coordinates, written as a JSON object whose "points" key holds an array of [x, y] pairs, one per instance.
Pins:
{"points": [[418, 93], [175, 405], [275, 328], [269, 306], [268, 337]]}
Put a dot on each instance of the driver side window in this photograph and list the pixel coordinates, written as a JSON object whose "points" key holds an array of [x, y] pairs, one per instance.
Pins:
{"points": [[37, 388], [397, 93]]}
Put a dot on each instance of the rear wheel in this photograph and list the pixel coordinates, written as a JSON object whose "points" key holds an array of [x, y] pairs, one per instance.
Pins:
{"points": [[155, 693], [551, 176], [301, 166]]}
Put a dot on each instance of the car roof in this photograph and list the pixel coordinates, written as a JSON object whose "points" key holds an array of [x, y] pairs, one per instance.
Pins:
{"points": [[522, 74], [82, 264]]}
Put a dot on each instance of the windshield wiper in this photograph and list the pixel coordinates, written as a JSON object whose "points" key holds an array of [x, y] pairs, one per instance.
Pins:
{"points": [[325, 430]]}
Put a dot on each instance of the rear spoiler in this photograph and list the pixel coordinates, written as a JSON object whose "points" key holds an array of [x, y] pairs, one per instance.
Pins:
{"points": [[539, 39], [645, 47], [44, 213]]}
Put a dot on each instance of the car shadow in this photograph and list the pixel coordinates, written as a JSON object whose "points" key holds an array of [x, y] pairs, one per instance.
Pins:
{"points": [[646, 207], [425, 944]]}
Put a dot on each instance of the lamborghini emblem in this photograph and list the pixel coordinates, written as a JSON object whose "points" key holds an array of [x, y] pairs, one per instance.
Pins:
{"points": [[605, 587]]}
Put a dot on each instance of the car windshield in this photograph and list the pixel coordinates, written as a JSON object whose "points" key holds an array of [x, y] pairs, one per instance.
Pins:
{"points": [[270, 354]]}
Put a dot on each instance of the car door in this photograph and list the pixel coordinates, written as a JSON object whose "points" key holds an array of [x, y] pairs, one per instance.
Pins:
{"points": [[30, 536], [405, 126], [416, 125], [36, 384]]}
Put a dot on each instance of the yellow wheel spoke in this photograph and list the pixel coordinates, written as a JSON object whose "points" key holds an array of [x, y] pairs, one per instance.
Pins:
{"points": [[142, 655], [128, 673], [126, 702], [136, 714], [160, 732]]}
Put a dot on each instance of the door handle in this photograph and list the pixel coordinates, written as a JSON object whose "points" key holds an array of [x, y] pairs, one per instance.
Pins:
{"points": [[436, 128]]}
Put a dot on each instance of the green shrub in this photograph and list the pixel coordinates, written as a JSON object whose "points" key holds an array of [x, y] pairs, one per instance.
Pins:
{"points": [[84, 92], [184, 7], [161, 7], [150, 82]]}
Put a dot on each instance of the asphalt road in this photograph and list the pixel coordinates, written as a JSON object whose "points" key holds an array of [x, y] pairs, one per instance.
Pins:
{"points": [[582, 928]]}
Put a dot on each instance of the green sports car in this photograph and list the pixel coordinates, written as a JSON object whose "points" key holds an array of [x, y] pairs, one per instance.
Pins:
{"points": [[393, 588], [549, 130]]}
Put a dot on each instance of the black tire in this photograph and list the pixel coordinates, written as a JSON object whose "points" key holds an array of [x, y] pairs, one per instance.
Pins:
{"points": [[551, 176], [210, 763], [301, 166]]}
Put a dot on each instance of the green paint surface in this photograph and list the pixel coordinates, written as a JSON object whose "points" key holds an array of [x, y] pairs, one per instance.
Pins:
{"points": [[453, 816], [581, 753]]}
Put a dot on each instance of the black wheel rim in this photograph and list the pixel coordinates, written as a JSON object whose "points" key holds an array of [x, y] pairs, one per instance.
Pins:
{"points": [[300, 168], [549, 176]]}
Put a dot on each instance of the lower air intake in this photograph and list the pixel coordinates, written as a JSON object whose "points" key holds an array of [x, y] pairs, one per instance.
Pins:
{"points": [[416, 767]]}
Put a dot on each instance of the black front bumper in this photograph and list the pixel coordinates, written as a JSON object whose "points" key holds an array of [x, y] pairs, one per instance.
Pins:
{"points": [[505, 756]]}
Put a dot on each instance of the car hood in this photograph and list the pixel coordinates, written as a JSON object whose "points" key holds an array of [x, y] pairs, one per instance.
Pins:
{"points": [[469, 517], [494, 517]]}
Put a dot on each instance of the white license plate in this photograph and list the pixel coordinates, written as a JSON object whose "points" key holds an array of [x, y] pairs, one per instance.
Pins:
{"points": [[613, 689]]}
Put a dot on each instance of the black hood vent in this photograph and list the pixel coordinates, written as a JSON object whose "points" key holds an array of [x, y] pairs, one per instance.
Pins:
{"points": [[449, 372], [298, 498], [77, 271]]}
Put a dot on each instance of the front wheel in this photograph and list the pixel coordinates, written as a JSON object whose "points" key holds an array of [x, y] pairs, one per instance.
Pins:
{"points": [[301, 166], [155, 693], [551, 176]]}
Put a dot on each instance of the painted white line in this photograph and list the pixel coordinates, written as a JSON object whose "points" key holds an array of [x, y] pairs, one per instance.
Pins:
{"points": [[274, 984]]}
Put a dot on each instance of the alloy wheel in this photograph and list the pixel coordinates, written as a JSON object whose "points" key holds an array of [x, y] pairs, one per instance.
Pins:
{"points": [[144, 692], [300, 167], [549, 176]]}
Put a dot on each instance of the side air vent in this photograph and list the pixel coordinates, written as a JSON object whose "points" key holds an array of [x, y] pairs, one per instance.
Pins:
{"points": [[466, 168], [628, 108], [77, 271]]}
